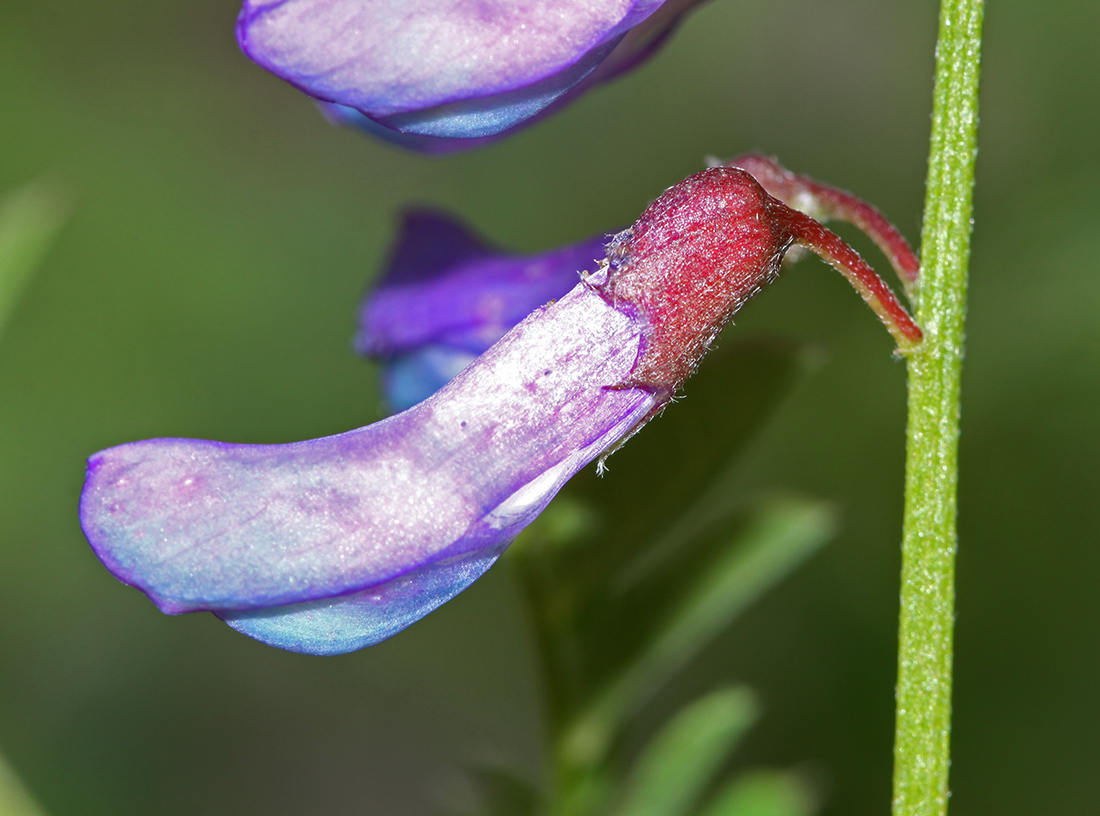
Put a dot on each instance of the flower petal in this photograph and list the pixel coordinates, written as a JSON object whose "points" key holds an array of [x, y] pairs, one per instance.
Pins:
{"points": [[206, 525], [474, 123], [447, 69], [394, 57], [445, 287], [331, 544], [446, 297], [430, 244], [351, 622], [414, 376], [344, 116]]}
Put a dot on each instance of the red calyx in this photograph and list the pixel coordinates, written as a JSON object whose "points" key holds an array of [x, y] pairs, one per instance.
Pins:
{"points": [[690, 261], [700, 251]]}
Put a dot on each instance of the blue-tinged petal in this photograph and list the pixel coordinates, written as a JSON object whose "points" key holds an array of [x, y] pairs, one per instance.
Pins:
{"points": [[430, 243], [393, 518], [397, 56], [414, 376], [440, 75], [487, 116], [349, 117], [344, 624]]}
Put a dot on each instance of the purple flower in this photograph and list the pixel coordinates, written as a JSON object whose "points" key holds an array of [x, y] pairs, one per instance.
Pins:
{"points": [[446, 297], [439, 76], [333, 544]]}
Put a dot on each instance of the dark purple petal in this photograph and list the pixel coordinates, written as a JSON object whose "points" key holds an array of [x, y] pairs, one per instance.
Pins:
{"points": [[443, 287], [429, 244], [446, 297]]}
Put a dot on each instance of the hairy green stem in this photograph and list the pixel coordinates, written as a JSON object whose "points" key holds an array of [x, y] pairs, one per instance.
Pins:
{"points": [[923, 727]]}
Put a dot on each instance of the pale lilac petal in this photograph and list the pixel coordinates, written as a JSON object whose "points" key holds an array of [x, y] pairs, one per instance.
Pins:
{"points": [[490, 115], [335, 543], [474, 123], [449, 69], [226, 528]]}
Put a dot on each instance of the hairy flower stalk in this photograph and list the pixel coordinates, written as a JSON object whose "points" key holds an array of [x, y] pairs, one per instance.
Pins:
{"points": [[333, 544], [824, 203]]}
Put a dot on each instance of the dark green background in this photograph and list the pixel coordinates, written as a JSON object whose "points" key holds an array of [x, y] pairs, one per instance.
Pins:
{"points": [[206, 286]]}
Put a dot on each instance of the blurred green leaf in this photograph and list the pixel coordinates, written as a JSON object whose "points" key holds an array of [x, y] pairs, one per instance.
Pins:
{"points": [[680, 761], [716, 584], [568, 559], [30, 218], [14, 798], [763, 793], [677, 456], [504, 794]]}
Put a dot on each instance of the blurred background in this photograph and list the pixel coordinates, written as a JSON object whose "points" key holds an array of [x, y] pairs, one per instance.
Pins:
{"points": [[206, 285]]}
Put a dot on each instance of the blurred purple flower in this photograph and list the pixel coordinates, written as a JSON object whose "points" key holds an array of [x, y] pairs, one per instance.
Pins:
{"points": [[446, 297], [439, 76], [333, 544]]}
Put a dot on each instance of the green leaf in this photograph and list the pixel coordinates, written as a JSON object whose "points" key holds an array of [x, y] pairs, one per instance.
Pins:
{"points": [[14, 798], [763, 793], [666, 467], [30, 217], [569, 557], [504, 794], [701, 593], [679, 763]]}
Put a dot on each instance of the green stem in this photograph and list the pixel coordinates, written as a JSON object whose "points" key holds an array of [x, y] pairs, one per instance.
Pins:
{"points": [[923, 729]]}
